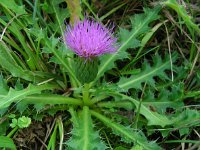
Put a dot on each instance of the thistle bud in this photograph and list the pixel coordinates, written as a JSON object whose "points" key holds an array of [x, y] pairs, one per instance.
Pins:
{"points": [[86, 69]]}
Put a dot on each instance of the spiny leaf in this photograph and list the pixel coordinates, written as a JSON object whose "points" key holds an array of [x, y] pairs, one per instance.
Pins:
{"points": [[40, 100], [14, 96], [153, 118], [165, 99], [140, 25], [147, 74], [186, 118], [60, 13], [182, 120], [59, 55], [12, 5], [126, 133], [83, 135]]}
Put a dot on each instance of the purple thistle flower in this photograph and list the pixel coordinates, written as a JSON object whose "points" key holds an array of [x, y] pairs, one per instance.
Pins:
{"points": [[90, 39]]}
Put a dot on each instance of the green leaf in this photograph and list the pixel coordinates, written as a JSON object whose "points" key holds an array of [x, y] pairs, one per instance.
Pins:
{"points": [[19, 30], [120, 148], [8, 62], [183, 14], [126, 133], [83, 135], [165, 99], [60, 13], [12, 5], [14, 123], [24, 122], [14, 96], [3, 87], [40, 100], [52, 141], [147, 74], [188, 117], [184, 131], [137, 147], [140, 25], [153, 118], [59, 55], [7, 142], [4, 127]]}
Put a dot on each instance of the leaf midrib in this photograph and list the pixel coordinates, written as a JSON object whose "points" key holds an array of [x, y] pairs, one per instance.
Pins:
{"points": [[145, 108], [86, 129], [117, 127], [22, 93], [144, 76]]}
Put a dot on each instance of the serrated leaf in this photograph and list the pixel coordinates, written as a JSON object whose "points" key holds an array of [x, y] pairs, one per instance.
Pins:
{"points": [[59, 55], [51, 99], [21, 107], [147, 74], [38, 33], [40, 100], [83, 135], [153, 118], [126, 133], [12, 5], [124, 33], [184, 131], [182, 120], [54, 60], [165, 99], [186, 118], [60, 14], [129, 39], [14, 96]]}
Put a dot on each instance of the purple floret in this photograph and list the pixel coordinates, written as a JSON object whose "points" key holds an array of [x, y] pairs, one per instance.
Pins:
{"points": [[90, 39]]}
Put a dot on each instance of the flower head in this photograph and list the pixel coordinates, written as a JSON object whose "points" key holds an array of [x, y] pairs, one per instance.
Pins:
{"points": [[90, 39]]}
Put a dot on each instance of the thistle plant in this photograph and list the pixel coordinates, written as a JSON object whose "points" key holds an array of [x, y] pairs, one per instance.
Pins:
{"points": [[102, 88], [89, 40]]}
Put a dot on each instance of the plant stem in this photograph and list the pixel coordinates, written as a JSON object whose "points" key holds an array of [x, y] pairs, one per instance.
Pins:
{"points": [[13, 131], [86, 88]]}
